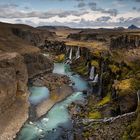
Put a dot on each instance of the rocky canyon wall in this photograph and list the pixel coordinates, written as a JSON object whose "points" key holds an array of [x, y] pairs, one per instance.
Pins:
{"points": [[13, 94], [125, 41], [37, 64]]}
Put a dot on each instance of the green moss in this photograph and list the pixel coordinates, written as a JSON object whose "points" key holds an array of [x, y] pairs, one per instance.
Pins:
{"points": [[125, 136], [114, 68], [60, 58], [136, 125], [127, 86], [95, 63], [105, 100], [97, 53], [86, 134], [94, 115], [81, 70], [133, 130]]}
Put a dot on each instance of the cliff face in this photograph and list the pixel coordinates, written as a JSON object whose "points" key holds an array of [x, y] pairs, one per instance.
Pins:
{"points": [[19, 60], [125, 41], [34, 36], [60, 47], [88, 36], [37, 64], [13, 93], [21, 39]]}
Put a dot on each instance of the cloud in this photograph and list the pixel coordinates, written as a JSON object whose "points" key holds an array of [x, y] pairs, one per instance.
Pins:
{"points": [[81, 5], [112, 12], [11, 11], [103, 19], [6, 6], [100, 22], [93, 15], [136, 9], [92, 6]]}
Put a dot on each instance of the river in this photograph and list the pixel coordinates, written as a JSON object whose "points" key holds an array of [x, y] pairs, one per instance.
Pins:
{"points": [[56, 124]]}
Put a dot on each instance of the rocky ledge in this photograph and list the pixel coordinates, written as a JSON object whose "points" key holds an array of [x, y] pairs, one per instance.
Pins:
{"points": [[59, 88]]}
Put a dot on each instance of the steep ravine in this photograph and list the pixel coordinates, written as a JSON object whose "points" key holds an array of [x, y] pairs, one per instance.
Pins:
{"points": [[113, 95]]}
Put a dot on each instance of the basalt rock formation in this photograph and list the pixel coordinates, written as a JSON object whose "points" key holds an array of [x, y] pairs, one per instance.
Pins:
{"points": [[125, 41], [115, 92], [37, 64], [60, 47]]}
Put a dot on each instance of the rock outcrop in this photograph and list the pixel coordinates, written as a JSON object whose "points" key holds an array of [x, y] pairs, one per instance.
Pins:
{"points": [[125, 41], [13, 94], [34, 36], [108, 130], [37, 64]]}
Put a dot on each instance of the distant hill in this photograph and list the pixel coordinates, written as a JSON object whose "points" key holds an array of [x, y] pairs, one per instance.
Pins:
{"points": [[132, 27], [53, 27], [120, 28]]}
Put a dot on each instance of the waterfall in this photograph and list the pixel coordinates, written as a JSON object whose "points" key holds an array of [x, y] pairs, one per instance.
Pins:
{"points": [[69, 59], [67, 50], [70, 55], [78, 53], [91, 76], [138, 96], [96, 78]]}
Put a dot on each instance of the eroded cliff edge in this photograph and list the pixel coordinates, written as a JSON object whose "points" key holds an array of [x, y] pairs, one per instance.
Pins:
{"points": [[19, 61], [13, 94]]}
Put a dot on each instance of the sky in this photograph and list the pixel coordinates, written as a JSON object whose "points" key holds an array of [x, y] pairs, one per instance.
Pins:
{"points": [[72, 13]]}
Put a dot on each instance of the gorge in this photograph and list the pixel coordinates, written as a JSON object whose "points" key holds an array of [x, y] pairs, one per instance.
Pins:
{"points": [[78, 87]]}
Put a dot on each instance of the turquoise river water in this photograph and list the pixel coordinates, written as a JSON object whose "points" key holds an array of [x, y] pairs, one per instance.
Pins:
{"points": [[56, 124]]}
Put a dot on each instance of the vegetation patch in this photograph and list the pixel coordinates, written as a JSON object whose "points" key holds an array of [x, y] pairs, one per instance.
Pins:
{"points": [[94, 115], [104, 101], [81, 70], [95, 63], [60, 58], [127, 86], [114, 68]]}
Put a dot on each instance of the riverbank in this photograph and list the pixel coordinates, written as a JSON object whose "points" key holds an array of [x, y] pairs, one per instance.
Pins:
{"points": [[56, 117], [58, 86]]}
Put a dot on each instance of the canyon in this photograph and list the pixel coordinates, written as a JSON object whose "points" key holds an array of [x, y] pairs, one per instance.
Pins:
{"points": [[28, 56]]}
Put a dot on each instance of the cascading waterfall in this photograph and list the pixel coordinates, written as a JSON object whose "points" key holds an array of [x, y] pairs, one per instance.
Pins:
{"points": [[70, 55], [67, 50], [69, 60], [91, 76], [78, 53], [96, 79]]}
